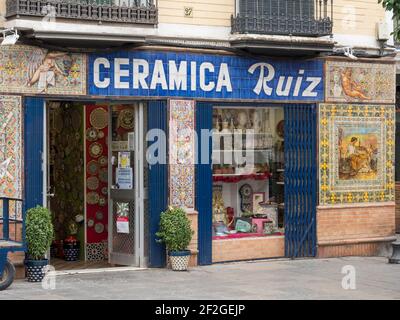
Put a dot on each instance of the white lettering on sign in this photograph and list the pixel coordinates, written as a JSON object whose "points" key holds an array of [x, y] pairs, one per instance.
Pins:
{"points": [[102, 84], [177, 77], [284, 87], [206, 76], [140, 73], [119, 73]]}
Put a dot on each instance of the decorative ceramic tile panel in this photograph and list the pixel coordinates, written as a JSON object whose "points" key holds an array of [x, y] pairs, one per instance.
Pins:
{"points": [[11, 147], [360, 82], [97, 251], [356, 153], [182, 153], [25, 69]]}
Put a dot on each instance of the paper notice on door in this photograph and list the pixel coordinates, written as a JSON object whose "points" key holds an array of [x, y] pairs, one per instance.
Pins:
{"points": [[125, 178], [123, 225]]}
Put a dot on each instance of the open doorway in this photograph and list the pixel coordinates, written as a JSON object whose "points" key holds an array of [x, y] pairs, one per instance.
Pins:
{"points": [[95, 183]]}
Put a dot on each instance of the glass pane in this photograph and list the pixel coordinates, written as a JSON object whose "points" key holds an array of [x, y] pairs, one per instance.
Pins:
{"points": [[122, 184], [248, 172]]}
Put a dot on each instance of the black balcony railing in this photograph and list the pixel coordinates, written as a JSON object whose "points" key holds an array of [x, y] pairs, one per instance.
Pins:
{"points": [[122, 11], [311, 18]]}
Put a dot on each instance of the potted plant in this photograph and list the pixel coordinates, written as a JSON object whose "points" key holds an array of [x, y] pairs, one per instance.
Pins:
{"points": [[176, 232], [39, 236]]}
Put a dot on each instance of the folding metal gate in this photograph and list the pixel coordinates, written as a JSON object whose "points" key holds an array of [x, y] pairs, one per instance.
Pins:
{"points": [[300, 180]]}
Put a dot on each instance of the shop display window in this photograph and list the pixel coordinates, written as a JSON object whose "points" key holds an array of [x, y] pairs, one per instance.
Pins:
{"points": [[248, 172]]}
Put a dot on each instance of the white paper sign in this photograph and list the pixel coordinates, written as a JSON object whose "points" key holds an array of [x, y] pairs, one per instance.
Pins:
{"points": [[123, 225], [125, 178]]}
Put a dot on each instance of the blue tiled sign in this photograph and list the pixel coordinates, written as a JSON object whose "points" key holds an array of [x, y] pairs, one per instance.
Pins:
{"points": [[172, 74]]}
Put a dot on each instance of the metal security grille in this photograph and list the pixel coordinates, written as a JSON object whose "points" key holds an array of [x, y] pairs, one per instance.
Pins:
{"points": [[300, 180], [121, 11], [284, 17], [124, 243]]}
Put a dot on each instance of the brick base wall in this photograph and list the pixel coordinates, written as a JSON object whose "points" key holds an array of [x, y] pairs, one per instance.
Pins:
{"points": [[398, 207], [359, 230], [248, 249], [193, 217]]}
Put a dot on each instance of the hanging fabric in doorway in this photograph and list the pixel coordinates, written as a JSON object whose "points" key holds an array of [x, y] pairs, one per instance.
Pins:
{"points": [[96, 182], [182, 153]]}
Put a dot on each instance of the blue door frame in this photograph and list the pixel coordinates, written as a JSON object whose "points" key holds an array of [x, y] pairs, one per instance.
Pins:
{"points": [[34, 148], [158, 186], [204, 114]]}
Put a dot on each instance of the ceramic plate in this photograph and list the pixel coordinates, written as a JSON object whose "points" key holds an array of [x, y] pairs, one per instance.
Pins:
{"points": [[92, 183], [93, 198], [126, 119], [93, 167], [99, 118], [101, 134], [95, 150], [280, 129], [99, 215], [99, 228], [90, 223], [103, 161], [92, 134], [102, 201], [104, 191]]}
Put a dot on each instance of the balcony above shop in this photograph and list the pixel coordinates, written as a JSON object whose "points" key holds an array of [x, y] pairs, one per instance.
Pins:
{"points": [[295, 26], [119, 11], [74, 21]]}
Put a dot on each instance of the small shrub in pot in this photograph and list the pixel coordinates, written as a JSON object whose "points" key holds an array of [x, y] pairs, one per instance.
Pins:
{"points": [[39, 236], [176, 232]]}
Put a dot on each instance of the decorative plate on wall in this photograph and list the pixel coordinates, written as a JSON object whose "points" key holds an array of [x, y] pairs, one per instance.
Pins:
{"points": [[93, 168], [104, 191], [95, 150], [90, 223], [92, 183], [126, 119], [92, 134], [280, 129], [99, 228], [102, 201], [99, 215], [93, 198], [103, 161], [99, 118], [101, 134]]}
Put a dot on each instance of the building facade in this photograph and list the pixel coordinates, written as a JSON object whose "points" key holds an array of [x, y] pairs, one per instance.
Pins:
{"points": [[254, 116]]}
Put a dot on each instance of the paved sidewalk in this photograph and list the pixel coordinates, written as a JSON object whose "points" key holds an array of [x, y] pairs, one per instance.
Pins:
{"points": [[300, 279]]}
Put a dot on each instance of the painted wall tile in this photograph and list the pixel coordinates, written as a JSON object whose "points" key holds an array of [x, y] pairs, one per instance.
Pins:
{"points": [[182, 153], [356, 153], [25, 69], [360, 82]]}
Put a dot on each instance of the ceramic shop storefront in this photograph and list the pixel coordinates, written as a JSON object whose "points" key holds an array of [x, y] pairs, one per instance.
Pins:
{"points": [[269, 157], [317, 137]]}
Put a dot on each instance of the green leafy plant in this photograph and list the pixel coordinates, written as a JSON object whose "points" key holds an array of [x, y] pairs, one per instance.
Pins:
{"points": [[175, 229], [39, 232], [394, 6]]}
